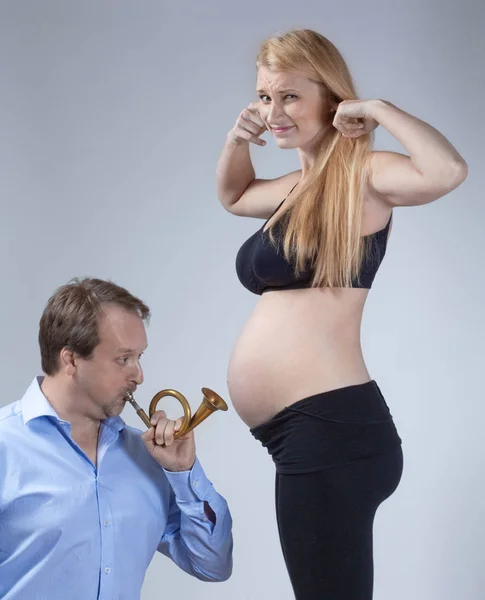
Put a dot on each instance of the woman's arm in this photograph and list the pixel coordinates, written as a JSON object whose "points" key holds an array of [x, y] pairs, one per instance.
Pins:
{"points": [[238, 189], [432, 169]]}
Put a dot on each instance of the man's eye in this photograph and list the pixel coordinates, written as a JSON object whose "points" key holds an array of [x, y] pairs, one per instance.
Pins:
{"points": [[264, 98]]}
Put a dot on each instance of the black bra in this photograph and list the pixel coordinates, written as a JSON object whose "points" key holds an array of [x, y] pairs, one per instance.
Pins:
{"points": [[261, 265]]}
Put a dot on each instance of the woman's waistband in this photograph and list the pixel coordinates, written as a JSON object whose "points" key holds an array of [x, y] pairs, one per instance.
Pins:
{"points": [[329, 429]]}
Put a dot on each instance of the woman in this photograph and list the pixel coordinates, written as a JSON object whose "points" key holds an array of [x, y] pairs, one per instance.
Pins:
{"points": [[297, 376]]}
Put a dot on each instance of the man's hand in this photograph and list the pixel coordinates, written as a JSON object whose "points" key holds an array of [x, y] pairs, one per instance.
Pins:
{"points": [[172, 455]]}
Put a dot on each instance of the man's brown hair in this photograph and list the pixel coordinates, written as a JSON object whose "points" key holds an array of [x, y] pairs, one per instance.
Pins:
{"points": [[71, 318]]}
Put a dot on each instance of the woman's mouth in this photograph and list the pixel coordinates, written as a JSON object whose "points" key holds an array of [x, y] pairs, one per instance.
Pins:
{"points": [[281, 130]]}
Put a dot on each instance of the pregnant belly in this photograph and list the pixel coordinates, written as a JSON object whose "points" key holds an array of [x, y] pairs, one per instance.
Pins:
{"points": [[278, 360]]}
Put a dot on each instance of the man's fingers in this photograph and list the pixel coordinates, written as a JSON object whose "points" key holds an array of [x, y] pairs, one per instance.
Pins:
{"points": [[157, 415], [161, 424], [168, 434], [148, 435]]}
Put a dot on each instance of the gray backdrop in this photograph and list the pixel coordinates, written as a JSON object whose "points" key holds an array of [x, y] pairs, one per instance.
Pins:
{"points": [[112, 118]]}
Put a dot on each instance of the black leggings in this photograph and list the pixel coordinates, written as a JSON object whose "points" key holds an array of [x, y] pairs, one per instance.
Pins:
{"points": [[338, 457]]}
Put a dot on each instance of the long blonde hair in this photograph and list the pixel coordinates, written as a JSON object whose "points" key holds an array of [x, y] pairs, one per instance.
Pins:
{"points": [[324, 224]]}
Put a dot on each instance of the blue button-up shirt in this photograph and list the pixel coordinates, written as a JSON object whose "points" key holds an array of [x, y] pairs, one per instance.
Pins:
{"points": [[71, 530]]}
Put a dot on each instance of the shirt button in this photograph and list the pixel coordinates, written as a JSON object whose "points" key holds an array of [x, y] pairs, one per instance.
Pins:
{"points": [[195, 483], [107, 570], [106, 523]]}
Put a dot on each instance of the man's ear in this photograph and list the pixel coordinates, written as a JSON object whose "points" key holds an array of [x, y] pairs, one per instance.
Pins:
{"points": [[68, 361]]}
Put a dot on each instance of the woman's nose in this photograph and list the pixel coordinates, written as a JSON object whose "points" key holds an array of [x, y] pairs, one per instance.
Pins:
{"points": [[274, 113]]}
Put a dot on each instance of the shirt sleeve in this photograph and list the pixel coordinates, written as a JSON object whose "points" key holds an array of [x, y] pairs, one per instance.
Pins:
{"points": [[191, 540]]}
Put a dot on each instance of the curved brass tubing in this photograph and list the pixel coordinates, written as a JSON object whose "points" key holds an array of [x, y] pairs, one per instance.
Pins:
{"points": [[210, 403]]}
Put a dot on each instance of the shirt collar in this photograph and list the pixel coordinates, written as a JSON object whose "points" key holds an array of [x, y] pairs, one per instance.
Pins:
{"points": [[35, 405]]}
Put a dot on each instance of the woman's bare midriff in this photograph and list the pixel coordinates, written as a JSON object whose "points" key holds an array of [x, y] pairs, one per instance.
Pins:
{"points": [[296, 343]]}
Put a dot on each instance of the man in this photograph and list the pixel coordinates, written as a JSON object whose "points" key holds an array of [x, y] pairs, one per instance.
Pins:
{"points": [[85, 500]]}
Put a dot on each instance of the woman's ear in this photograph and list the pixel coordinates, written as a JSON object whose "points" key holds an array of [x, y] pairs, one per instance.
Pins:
{"points": [[334, 102]]}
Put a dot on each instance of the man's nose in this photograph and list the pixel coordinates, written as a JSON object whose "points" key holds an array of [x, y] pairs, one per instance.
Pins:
{"points": [[138, 375]]}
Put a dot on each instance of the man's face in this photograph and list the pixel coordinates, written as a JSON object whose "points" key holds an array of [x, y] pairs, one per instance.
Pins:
{"points": [[114, 367]]}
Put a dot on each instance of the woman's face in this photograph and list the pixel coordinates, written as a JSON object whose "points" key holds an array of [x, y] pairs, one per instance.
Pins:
{"points": [[294, 108]]}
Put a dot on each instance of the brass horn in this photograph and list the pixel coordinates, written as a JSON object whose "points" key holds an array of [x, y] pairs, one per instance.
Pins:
{"points": [[210, 403]]}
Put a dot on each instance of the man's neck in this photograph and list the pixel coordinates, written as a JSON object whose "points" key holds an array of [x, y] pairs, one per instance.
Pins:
{"points": [[69, 407]]}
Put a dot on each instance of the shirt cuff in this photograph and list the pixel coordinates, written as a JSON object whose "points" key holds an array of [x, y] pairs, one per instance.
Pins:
{"points": [[189, 486]]}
